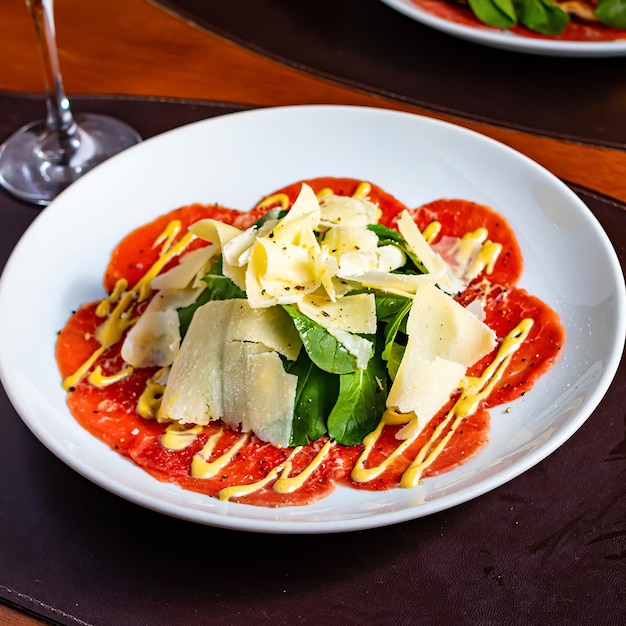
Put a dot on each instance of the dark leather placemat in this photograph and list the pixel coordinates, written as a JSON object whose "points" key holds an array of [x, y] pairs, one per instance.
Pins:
{"points": [[367, 44], [545, 548]]}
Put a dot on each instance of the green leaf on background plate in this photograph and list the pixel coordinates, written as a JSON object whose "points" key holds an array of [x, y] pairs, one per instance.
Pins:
{"points": [[542, 16], [612, 13], [499, 13]]}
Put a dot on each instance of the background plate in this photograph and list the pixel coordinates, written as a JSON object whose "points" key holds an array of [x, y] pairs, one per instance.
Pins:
{"points": [[235, 160], [510, 41]]}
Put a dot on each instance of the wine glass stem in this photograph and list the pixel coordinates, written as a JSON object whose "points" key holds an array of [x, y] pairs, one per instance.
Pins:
{"points": [[59, 120]]}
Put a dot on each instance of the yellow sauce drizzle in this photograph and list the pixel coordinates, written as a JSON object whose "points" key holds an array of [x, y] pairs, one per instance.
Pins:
{"points": [[201, 467], [289, 484], [167, 237], [362, 191], [283, 199], [104, 308], [322, 193], [150, 399], [167, 254], [178, 436], [477, 388], [98, 379], [237, 491], [360, 473], [473, 391], [71, 381], [285, 483], [118, 320], [486, 257], [277, 198], [431, 231]]}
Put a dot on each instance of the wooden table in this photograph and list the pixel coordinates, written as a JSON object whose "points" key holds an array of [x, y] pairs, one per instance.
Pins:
{"points": [[136, 48]]}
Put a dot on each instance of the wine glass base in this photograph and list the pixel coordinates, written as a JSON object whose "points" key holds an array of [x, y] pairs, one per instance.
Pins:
{"points": [[33, 174]]}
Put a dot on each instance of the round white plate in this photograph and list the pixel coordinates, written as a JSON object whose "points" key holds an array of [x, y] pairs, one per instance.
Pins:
{"points": [[235, 160], [508, 40]]}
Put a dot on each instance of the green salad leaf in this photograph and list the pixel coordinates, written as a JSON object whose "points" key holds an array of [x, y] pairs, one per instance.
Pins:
{"points": [[542, 16], [393, 356], [389, 237], [273, 214], [612, 12], [499, 13], [316, 393], [219, 287], [393, 310], [389, 306], [324, 350], [361, 402]]}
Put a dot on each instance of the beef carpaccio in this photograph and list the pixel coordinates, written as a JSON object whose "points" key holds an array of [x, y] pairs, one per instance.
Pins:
{"points": [[329, 335]]}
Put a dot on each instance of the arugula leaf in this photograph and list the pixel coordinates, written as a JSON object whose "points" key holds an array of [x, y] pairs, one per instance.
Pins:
{"points": [[395, 312], [388, 306], [273, 214], [390, 237], [542, 16], [325, 351], [384, 232], [612, 13], [393, 355], [219, 287], [316, 394], [499, 13], [361, 403]]}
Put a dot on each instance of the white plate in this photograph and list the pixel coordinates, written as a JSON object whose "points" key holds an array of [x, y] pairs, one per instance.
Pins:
{"points": [[511, 41], [235, 160]]}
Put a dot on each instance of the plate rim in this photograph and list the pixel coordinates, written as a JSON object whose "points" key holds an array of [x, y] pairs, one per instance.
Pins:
{"points": [[358, 523], [507, 40]]}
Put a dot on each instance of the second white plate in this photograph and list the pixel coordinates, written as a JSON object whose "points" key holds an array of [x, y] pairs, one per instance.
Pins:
{"points": [[508, 40]]}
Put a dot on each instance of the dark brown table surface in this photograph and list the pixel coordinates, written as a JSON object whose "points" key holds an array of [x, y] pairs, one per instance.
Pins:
{"points": [[369, 45], [546, 548]]}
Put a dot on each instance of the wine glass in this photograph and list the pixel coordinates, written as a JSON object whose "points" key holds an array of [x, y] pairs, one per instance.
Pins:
{"points": [[42, 158]]}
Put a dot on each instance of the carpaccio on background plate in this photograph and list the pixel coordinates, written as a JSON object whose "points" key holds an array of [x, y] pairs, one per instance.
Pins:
{"points": [[567, 20]]}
